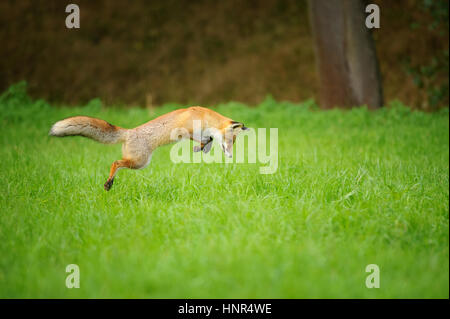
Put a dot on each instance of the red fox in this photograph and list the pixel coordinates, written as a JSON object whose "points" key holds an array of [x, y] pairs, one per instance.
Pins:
{"points": [[139, 142]]}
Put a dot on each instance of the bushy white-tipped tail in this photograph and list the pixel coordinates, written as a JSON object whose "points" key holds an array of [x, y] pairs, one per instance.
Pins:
{"points": [[96, 129]]}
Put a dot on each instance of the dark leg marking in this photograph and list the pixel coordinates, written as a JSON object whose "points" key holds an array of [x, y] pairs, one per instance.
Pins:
{"points": [[108, 184]]}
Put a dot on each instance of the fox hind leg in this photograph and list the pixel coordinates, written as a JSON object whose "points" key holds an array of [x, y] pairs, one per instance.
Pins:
{"points": [[124, 163], [137, 162]]}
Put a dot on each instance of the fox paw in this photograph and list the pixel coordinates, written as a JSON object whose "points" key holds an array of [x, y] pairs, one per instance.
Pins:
{"points": [[197, 148], [108, 184]]}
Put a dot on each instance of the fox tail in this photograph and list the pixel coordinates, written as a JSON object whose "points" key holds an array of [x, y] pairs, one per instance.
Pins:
{"points": [[96, 129]]}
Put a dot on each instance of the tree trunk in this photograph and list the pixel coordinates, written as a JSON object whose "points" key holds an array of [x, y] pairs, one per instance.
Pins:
{"points": [[345, 53]]}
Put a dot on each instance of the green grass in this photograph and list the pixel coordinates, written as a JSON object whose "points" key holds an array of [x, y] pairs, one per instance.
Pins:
{"points": [[353, 188]]}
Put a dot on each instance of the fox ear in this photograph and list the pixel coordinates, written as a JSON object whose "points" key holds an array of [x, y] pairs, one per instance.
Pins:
{"points": [[235, 125]]}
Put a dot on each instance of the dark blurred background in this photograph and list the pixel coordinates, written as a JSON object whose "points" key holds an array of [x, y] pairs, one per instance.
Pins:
{"points": [[204, 52]]}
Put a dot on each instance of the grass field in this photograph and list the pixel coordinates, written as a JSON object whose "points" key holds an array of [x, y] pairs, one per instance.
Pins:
{"points": [[352, 188]]}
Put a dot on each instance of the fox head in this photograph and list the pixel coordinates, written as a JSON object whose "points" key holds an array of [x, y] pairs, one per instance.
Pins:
{"points": [[228, 136]]}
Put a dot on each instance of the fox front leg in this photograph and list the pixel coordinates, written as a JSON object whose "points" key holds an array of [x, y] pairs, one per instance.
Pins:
{"points": [[205, 147]]}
